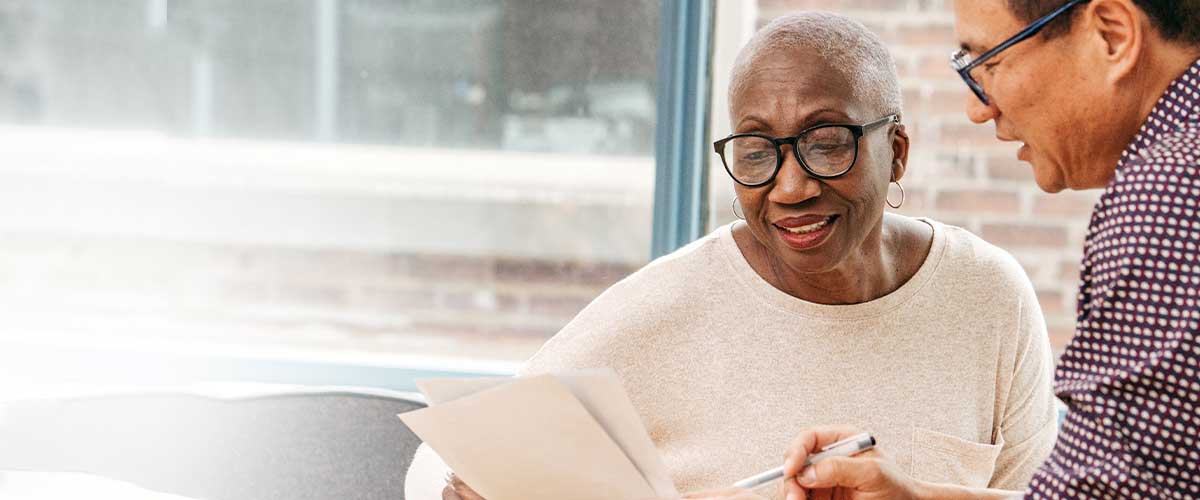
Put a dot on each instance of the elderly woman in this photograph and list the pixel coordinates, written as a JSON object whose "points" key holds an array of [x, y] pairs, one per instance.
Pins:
{"points": [[818, 307]]}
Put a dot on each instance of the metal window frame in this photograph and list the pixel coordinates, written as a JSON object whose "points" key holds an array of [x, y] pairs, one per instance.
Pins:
{"points": [[681, 129]]}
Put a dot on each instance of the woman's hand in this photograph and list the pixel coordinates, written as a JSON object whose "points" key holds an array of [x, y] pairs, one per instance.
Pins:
{"points": [[723, 494], [866, 476], [456, 489]]}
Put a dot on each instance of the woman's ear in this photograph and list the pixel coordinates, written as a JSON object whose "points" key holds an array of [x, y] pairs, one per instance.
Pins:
{"points": [[899, 152]]}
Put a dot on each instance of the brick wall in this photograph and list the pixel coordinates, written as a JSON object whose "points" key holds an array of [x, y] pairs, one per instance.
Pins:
{"points": [[958, 172]]}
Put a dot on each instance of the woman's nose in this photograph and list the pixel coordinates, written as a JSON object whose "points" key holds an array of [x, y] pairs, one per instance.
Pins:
{"points": [[793, 184]]}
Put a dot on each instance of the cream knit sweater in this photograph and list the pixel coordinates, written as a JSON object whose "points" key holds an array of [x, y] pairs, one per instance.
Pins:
{"points": [[951, 371]]}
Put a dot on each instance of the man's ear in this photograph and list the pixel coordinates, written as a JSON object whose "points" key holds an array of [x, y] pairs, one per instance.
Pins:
{"points": [[1120, 30], [899, 152]]}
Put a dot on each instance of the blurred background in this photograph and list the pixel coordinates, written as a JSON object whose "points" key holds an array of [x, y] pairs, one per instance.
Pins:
{"points": [[439, 184], [409, 177]]}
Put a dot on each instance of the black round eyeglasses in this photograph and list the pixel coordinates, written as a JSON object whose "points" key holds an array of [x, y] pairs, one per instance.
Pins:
{"points": [[824, 151]]}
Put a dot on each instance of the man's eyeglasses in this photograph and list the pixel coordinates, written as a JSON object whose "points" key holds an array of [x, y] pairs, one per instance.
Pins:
{"points": [[824, 151], [962, 62]]}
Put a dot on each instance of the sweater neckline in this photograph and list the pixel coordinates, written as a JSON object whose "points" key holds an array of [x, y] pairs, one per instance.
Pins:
{"points": [[756, 286]]}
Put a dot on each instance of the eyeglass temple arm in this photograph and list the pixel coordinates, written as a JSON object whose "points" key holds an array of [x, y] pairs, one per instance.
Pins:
{"points": [[1031, 30], [892, 118]]}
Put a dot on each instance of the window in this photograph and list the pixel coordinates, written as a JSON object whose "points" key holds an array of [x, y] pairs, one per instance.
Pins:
{"points": [[397, 178]]}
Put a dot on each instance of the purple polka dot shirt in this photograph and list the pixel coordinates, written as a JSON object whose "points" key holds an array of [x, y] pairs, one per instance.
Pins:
{"points": [[1131, 375]]}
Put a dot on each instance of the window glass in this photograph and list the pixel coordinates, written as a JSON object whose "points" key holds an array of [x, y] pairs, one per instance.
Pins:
{"points": [[417, 177]]}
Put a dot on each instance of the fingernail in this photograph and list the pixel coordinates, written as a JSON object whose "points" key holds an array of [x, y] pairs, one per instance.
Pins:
{"points": [[787, 464], [808, 477], [792, 496]]}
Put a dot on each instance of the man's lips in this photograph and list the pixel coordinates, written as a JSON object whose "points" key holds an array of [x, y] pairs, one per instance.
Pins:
{"points": [[1022, 152]]}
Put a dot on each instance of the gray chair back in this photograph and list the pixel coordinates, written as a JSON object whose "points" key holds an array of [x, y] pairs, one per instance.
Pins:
{"points": [[297, 445]]}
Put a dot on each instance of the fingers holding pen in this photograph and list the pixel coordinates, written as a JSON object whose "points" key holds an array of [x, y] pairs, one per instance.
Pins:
{"points": [[811, 441], [806, 444]]}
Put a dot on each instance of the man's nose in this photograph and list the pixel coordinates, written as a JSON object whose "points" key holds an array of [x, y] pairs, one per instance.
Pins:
{"points": [[979, 112]]}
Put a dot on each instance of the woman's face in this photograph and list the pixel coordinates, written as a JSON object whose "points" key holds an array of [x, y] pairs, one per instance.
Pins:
{"points": [[812, 225]]}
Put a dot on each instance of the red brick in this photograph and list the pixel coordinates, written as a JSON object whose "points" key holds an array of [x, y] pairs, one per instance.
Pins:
{"points": [[483, 300], [1068, 271], [937, 68], [1065, 204], [599, 275], [930, 34], [1025, 235], [943, 166], [535, 271], [956, 222], [397, 299], [557, 306], [938, 102], [778, 7], [534, 331], [969, 134], [979, 201], [307, 265], [443, 267], [446, 328], [1060, 335], [1032, 265], [604, 274], [1008, 168], [937, 5], [475, 332], [1052, 301]]}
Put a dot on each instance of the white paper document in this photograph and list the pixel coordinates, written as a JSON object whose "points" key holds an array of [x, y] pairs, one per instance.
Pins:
{"points": [[544, 437]]}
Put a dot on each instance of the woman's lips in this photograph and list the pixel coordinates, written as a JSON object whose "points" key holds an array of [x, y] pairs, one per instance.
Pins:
{"points": [[807, 233]]}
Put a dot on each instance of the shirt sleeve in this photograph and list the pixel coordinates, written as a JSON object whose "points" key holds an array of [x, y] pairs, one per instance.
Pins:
{"points": [[1029, 420]]}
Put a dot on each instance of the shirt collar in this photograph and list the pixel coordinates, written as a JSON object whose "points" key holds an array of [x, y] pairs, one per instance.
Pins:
{"points": [[1180, 104]]}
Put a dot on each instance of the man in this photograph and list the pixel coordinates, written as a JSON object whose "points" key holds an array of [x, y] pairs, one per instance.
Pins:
{"points": [[1102, 94]]}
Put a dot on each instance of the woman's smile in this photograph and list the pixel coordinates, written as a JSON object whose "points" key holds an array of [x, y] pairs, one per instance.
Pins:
{"points": [[805, 232]]}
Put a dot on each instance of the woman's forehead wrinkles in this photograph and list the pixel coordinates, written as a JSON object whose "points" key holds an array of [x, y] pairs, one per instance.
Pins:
{"points": [[756, 122]]}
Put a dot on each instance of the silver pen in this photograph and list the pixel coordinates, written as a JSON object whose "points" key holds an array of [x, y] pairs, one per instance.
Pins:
{"points": [[852, 445]]}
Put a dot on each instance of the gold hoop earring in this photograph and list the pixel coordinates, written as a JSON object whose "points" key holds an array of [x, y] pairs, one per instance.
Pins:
{"points": [[735, 209], [888, 199]]}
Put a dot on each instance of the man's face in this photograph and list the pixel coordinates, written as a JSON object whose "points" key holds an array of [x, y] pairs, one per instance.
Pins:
{"points": [[1041, 95]]}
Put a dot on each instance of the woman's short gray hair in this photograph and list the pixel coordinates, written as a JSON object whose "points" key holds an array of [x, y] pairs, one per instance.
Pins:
{"points": [[844, 42]]}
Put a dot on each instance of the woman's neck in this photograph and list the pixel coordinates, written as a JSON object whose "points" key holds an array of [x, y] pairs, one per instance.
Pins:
{"points": [[878, 269]]}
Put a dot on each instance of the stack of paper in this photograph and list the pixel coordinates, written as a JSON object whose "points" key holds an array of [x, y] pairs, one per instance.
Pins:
{"points": [[545, 437]]}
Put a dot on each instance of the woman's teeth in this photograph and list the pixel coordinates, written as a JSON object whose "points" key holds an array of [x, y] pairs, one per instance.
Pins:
{"points": [[816, 226]]}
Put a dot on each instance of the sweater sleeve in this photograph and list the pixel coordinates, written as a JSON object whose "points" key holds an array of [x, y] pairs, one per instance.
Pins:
{"points": [[426, 475], [1029, 423], [582, 343]]}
